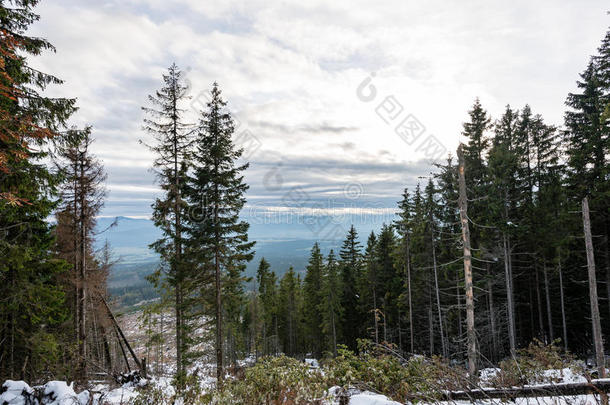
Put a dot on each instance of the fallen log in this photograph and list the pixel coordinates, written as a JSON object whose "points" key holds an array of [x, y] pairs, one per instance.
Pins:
{"points": [[548, 390]]}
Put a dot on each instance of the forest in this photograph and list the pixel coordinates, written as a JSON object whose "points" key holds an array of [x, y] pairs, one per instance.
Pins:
{"points": [[505, 243]]}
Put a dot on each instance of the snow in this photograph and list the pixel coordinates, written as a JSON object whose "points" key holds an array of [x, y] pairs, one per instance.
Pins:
{"points": [[12, 392], [59, 393], [565, 375], [487, 374], [313, 363], [53, 393], [116, 396], [369, 398]]}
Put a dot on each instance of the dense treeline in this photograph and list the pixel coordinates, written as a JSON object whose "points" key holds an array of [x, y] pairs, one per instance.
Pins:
{"points": [[404, 285], [52, 321]]}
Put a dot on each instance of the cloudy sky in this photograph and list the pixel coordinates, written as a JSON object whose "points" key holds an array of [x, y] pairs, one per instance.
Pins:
{"points": [[341, 104]]}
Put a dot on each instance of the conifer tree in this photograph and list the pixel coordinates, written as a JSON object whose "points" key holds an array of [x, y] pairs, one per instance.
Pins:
{"points": [[350, 274], [403, 227], [503, 168], [389, 282], [218, 238], [234, 310], [82, 195], [432, 214], [165, 123], [267, 292], [289, 306], [370, 289], [330, 305], [312, 296], [33, 306]]}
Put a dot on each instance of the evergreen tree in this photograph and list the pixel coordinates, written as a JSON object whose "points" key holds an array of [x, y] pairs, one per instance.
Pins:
{"points": [[402, 259], [350, 273], [33, 306], [312, 296], [330, 305], [389, 282], [370, 289], [234, 308], [82, 195], [288, 312], [267, 292], [165, 123], [502, 214], [215, 194]]}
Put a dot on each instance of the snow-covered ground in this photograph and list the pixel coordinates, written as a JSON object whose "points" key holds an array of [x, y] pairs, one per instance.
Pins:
{"points": [[61, 393]]}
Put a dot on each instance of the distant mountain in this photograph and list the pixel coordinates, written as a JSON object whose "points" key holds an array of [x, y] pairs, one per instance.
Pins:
{"points": [[282, 244]]}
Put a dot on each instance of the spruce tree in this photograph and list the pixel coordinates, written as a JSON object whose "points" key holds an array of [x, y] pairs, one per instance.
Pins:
{"points": [[370, 289], [403, 227], [33, 306], [171, 145], [390, 282], [267, 292], [288, 312], [350, 273], [82, 197], [502, 213], [215, 191], [312, 296], [330, 305]]}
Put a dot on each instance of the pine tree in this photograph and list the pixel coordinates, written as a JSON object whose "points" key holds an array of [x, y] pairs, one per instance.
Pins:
{"points": [[267, 292], [370, 289], [215, 194], [234, 306], [82, 195], [28, 120], [448, 256], [350, 273], [33, 306], [289, 306], [587, 143], [165, 123], [389, 281], [403, 261], [478, 143], [312, 296], [432, 214], [503, 171], [330, 305]]}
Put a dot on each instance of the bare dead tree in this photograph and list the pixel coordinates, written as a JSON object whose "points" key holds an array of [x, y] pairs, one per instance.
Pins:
{"points": [[463, 206]]}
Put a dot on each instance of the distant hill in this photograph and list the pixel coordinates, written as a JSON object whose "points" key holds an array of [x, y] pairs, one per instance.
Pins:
{"points": [[282, 244]]}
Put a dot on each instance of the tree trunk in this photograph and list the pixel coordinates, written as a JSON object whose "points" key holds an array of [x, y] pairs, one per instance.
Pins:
{"points": [[438, 302], [509, 297], [492, 315], [459, 303], [595, 318], [549, 313], [561, 297], [177, 249], [409, 295], [463, 205], [83, 276], [375, 314], [539, 305], [219, 371], [334, 333], [431, 327]]}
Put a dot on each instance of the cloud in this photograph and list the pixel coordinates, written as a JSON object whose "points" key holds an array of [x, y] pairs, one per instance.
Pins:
{"points": [[291, 70]]}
